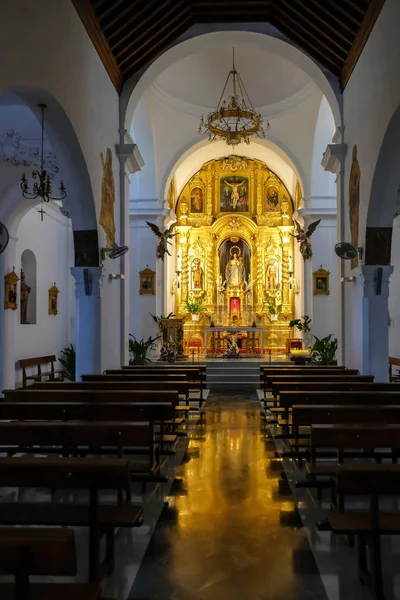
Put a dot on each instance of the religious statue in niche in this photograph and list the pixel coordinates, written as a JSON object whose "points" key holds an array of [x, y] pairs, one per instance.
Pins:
{"points": [[25, 291], [272, 282], [53, 300], [235, 271], [197, 275], [107, 199], [354, 202], [10, 290], [234, 194], [272, 199], [196, 200]]}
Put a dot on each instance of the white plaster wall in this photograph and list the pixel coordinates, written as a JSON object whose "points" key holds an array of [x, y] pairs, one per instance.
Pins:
{"points": [[394, 293], [370, 99], [52, 244], [142, 245], [51, 35]]}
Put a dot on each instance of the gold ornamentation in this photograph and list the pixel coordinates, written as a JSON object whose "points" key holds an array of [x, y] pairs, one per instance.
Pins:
{"points": [[234, 163], [10, 290], [53, 300], [321, 282], [107, 199], [147, 281]]}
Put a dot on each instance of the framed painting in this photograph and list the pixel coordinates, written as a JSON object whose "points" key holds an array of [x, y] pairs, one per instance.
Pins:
{"points": [[10, 290], [271, 198], [321, 282], [53, 300], [234, 194], [197, 200], [147, 281]]}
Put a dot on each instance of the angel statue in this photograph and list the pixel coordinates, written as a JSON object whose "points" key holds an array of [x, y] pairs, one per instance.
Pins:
{"points": [[303, 237], [165, 238]]}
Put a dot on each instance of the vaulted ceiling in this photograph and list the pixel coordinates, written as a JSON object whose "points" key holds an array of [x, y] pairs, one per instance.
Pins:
{"points": [[129, 34]]}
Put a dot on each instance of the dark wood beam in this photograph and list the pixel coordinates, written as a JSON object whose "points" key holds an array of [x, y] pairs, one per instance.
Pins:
{"points": [[337, 6], [314, 14], [335, 57], [357, 7], [132, 30], [108, 10], [332, 16], [91, 24], [153, 52], [361, 38], [291, 9], [120, 15]]}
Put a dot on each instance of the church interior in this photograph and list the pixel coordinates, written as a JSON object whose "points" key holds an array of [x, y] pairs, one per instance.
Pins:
{"points": [[199, 291]]}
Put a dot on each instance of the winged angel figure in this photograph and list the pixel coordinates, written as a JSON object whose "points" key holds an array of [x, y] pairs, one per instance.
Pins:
{"points": [[303, 237], [164, 238]]}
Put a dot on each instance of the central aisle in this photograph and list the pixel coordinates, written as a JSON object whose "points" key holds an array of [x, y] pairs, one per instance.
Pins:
{"points": [[222, 538]]}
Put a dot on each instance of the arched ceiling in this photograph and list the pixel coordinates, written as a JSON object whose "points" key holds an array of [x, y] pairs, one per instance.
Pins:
{"points": [[130, 34], [199, 78]]}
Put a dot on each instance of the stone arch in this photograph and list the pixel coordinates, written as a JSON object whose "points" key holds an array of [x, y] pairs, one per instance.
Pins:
{"points": [[195, 39]]}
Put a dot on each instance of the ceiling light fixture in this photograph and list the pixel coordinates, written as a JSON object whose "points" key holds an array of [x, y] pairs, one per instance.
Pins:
{"points": [[43, 179], [234, 120]]}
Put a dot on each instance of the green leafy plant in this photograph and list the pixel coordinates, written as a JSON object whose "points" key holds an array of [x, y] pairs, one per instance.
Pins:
{"points": [[323, 352], [273, 307], [139, 349], [303, 324], [195, 306], [68, 362], [159, 319]]}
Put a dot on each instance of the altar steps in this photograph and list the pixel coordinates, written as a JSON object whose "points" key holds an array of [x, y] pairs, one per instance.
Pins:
{"points": [[234, 375]]}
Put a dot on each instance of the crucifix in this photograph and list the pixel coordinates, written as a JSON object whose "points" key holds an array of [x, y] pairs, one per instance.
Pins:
{"points": [[41, 212]]}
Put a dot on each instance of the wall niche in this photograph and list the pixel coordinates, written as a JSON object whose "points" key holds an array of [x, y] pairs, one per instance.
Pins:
{"points": [[28, 288]]}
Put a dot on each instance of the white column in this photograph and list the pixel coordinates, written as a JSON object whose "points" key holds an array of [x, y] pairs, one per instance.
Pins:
{"points": [[88, 320], [375, 316], [11, 318]]}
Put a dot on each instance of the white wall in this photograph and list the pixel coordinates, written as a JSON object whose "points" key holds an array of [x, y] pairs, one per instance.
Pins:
{"points": [[52, 244], [370, 99], [394, 293], [55, 53]]}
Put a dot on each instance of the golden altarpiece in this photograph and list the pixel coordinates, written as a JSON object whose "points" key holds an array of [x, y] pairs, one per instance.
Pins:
{"points": [[234, 252]]}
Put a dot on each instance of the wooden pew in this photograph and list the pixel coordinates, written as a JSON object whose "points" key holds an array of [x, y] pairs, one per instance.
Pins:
{"points": [[93, 475], [27, 551], [88, 437], [334, 386], [327, 377], [140, 383], [355, 440], [293, 373], [196, 374], [38, 362], [394, 362], [373, 481]]}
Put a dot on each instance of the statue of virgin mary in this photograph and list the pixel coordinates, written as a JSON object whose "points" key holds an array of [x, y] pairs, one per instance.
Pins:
{"points": [[234, 272]]}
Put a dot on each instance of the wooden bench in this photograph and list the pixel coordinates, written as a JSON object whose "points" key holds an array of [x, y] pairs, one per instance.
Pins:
{"points": [[27, 551], [143, 383], [93, 475], [373, 481], [348, 377], [293, 373], [394, 362], [38, 362], [334, 386], [196, 375]]}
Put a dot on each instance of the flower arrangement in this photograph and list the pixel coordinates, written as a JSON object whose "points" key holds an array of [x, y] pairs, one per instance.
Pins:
{"points": [[232, 350], [168, 351]]}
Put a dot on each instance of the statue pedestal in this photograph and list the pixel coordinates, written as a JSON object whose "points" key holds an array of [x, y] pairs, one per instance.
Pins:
{"points": [[172, 329]]}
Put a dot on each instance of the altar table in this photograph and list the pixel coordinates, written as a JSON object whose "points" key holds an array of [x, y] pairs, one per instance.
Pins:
{"points": [[216, 338]]}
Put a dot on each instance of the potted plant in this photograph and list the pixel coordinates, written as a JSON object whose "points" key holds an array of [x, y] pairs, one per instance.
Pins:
{"points": [[168, 351], [68, 362], [323, 351], [159, 319], [302, 324], [274, 309], [139, 349], [195, 307]]}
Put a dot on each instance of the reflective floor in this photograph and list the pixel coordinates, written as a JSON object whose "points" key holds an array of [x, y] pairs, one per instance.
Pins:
{"points": [[228, 533]]}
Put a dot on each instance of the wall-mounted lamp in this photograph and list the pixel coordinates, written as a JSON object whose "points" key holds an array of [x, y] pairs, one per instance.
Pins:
{"points": [[113, 276], [345, 279]]}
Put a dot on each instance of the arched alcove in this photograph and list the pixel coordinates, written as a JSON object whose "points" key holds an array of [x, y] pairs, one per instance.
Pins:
{"points": [[28, 288]]}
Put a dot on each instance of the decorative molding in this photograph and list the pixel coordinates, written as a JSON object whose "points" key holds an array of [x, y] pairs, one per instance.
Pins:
{"points": [[13, 150], [148, 209], [333, 157], [130, 155]]}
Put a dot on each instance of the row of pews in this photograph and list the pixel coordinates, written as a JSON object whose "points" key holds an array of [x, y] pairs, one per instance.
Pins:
{"points": [[94, 439], [342, 430]]}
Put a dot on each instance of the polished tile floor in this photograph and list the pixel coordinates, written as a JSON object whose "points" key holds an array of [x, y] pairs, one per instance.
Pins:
{"points": [[228, 534]]}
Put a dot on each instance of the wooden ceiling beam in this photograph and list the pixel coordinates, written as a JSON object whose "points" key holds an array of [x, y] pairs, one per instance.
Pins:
{"points": [[153, 52], [288, 4], [337, 6], [120, 15], [357, 7], [92, 26], [109, 10], [339, 59], [331, 16], [315, 15], [167, 20], [136, 18], [360, 40]]}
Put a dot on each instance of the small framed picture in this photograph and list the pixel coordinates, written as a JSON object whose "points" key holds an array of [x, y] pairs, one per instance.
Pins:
{"points": [[53, 300], [147, 280], [321, 282]]}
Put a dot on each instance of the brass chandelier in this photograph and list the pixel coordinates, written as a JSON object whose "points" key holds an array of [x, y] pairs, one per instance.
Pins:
{"points": [[234, 120]]}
